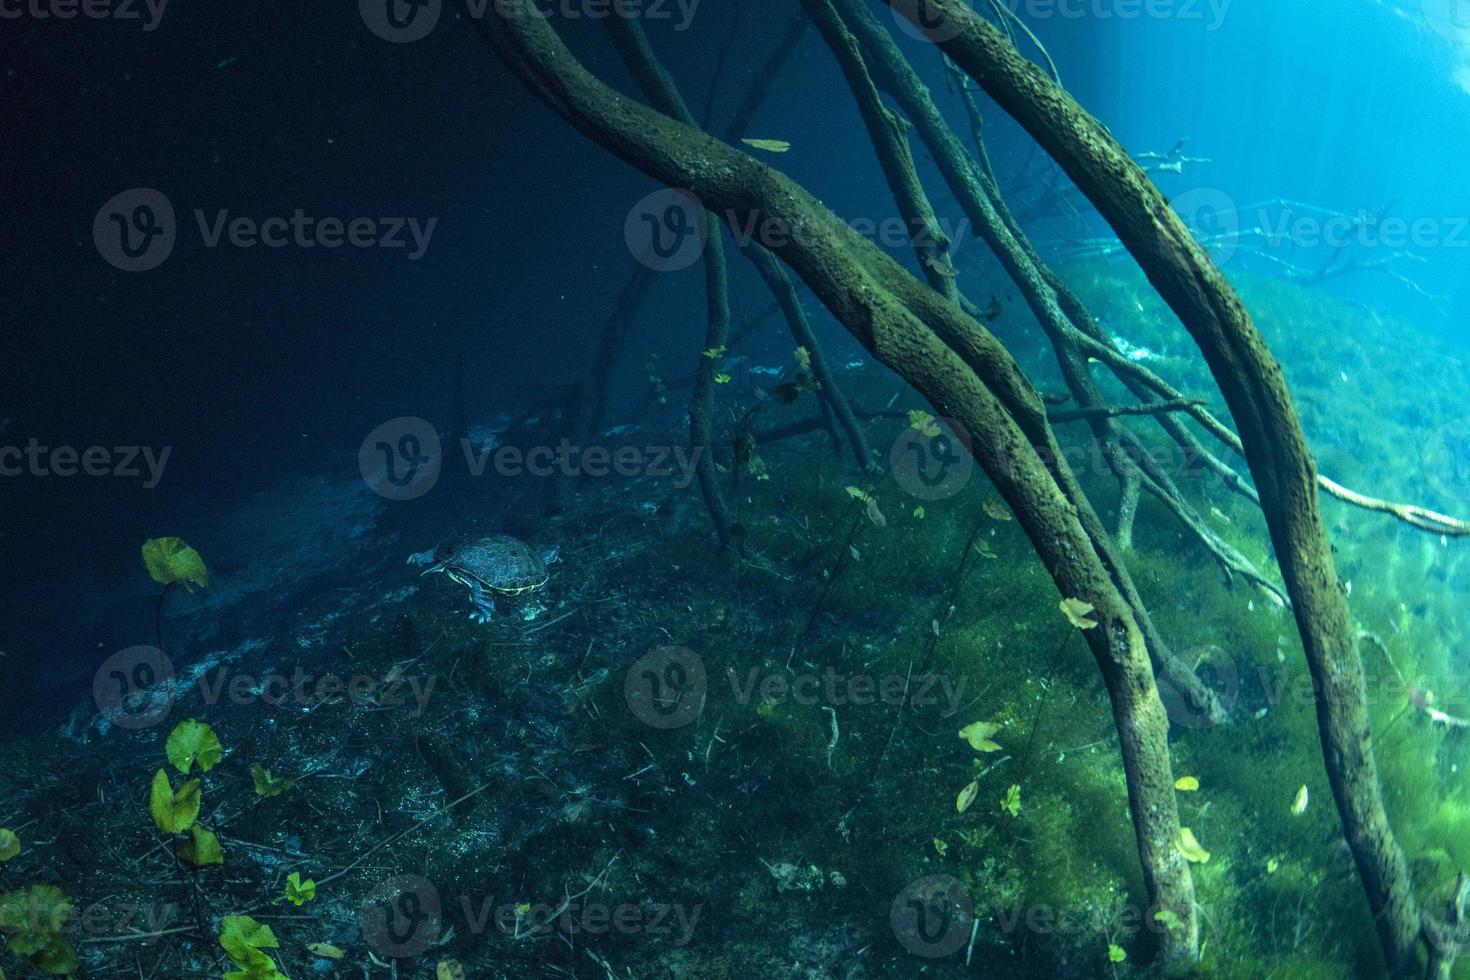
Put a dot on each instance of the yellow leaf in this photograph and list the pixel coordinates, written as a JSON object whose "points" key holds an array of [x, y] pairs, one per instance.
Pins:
{"points": [[804, 358], [722, 379], [9, 847], [995, 509], [324, 950], [1186, 784], [978, 734], [772, 146], [924, 423], [1299, 805], [1011, 802], [1078, 613], [1189, 848], [449, 970], [967, 796], [170, 560]]}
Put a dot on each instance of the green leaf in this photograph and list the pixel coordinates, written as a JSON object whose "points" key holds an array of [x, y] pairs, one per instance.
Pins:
{"points": [[268, 785], [243, 939], [9, 848], [1170, 921], [924, 423], [202, 848], [1011, 802], [299, 892], [173, 813], [1116, 953], [170, 560], [193, 741], [979, 735]]}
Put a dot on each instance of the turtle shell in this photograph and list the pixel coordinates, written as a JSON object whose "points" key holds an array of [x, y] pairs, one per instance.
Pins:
{"points": [[498, 562]]}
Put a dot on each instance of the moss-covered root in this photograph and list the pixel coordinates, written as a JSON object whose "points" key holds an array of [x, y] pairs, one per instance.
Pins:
{"points": [[876, 299], [1270, 430]]}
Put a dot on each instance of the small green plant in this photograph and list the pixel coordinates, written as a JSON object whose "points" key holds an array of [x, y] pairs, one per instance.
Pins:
{"points": [[177, 811], [1011, 802], [170, 561], [173, 811], [193, 741], [299, 892], [244, 940], [268, 785]]}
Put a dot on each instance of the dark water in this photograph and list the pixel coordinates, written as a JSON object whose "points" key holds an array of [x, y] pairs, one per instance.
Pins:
{"points": [[312, 293]]}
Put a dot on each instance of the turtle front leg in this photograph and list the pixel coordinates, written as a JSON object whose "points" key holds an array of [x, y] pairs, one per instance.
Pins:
{"points": [[484, 610]]}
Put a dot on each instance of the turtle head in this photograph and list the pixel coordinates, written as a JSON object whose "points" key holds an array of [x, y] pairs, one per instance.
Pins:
{"points": [[550, 554], [427, 559]]}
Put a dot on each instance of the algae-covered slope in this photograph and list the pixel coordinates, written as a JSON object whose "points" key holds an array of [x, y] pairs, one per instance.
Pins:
{"points": [[875, 748]]}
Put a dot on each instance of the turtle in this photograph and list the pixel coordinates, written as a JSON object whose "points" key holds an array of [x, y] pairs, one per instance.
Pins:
{"points": [[495, 563]]}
